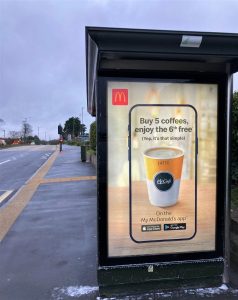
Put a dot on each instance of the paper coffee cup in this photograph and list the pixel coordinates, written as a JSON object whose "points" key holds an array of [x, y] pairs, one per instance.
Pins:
{"points": [[163, 166]]}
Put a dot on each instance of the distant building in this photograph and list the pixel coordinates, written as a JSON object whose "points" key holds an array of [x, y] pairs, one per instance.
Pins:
{"points": [[16, 142], [84, 138], [2, 142]]}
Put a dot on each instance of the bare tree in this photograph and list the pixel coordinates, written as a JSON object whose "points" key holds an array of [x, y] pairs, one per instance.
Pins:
{"points": [[1, 123], [15, 134], [26, 130]]}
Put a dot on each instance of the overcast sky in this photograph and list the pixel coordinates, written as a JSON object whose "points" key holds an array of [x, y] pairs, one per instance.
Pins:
{"points": [[42, 49]]}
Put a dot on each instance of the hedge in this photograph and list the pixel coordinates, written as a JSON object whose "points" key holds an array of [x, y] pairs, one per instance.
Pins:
{"points": [[92, 136], [234, 148]]}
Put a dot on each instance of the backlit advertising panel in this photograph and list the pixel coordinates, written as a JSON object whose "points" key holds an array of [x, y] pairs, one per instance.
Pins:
{"points": [[161, 167]]}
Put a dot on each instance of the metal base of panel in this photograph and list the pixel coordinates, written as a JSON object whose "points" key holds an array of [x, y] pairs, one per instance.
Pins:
{"points": [[114, 281]]}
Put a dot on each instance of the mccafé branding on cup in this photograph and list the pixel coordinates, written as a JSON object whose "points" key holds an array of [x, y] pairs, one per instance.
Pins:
{"points": [[163, 167], [163, 181]]}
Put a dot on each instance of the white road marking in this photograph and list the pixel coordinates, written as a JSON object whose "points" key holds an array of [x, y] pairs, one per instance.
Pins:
{"points": [[5, 195], [3, 162], [44, 156], [30, 148]]}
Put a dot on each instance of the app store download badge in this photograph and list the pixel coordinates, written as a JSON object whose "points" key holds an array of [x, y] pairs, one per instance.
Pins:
{"points": [[175, 226], [148, 228]]}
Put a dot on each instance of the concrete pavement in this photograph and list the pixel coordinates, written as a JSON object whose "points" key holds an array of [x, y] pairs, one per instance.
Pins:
{"points": [[50, 252], [52, 245]]}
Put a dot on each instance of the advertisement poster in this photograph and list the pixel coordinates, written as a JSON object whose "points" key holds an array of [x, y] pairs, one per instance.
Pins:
{"points": [[161, 167], [162, 146]]}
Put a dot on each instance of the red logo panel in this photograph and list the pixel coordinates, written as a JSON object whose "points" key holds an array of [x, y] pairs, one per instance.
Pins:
{"points": [[119, 96]]}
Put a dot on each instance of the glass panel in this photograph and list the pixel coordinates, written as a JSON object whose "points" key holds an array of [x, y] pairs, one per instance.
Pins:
{"points": [[170, 228]]}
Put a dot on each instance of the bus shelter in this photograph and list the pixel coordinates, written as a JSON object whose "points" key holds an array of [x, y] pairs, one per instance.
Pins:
{"points": [[162, 100]]}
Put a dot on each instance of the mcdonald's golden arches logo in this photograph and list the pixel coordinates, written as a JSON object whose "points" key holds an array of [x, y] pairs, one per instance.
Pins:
{"points": [[119, 96]]}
